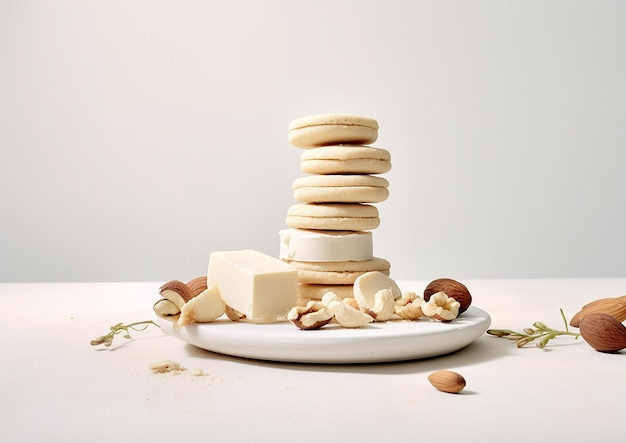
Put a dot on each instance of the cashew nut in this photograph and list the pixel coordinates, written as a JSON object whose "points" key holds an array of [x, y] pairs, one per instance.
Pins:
{"points": [[409, 306], [350, 301], [165, 308], [441, 307], [375, 293], [346, 315], [203, 308]]}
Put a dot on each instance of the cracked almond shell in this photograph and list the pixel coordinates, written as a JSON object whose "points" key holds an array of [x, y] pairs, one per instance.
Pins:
{"points": [[176, 292]]}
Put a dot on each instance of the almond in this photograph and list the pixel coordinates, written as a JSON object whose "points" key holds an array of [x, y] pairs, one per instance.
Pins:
{"points": [[447, 381], [453, 289], [603, 332], [197, 285], [177, 292], [621, 299], [615, 307]]}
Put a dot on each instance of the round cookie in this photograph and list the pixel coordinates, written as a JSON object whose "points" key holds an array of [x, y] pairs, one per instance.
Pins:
{"points": [[337, 273], [345, 159], [333, 216], [308, 292], [340, 189], [332, 129]]}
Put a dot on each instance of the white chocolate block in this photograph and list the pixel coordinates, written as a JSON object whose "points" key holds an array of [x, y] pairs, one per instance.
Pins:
{"points": [[261, 287], [325, 246]]}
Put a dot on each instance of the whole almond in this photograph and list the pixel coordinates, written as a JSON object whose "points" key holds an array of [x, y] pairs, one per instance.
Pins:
{"points": [[447, 381], [621, 299], [615, 307], [197, 285], [603, 332], [452, 289]]}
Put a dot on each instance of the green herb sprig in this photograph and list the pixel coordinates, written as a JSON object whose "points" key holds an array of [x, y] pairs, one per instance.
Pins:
{"points": [[120, 328], [539, 331]]}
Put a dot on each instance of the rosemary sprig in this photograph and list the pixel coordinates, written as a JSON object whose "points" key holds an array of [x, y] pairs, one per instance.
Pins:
{"points": [[539, 332], [120, 328]]}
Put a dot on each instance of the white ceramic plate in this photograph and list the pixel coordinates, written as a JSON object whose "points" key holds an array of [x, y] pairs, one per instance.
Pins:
{"points": [[374, 343]]}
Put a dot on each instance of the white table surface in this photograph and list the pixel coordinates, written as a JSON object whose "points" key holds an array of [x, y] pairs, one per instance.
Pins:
{"points": [[55, 387]]}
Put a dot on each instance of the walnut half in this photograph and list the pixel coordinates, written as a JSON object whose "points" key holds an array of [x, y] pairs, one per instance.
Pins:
{"points": [[312, 316]]}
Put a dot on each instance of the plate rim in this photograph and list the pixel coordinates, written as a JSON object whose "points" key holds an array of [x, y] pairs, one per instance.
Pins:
{"points": [[284, 342]]}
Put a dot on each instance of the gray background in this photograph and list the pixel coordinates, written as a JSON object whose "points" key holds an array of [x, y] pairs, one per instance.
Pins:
{"points": [[138, 136]]}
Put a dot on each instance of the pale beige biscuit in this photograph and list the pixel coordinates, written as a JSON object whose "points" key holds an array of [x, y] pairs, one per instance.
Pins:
{"points": [[333, 223], [340, 189], [332, 129], [345, 159], [333, 216], [337, 273], [316, 292]]}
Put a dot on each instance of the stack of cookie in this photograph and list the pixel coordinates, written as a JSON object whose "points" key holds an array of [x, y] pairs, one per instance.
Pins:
{"points": [[330, 240]]}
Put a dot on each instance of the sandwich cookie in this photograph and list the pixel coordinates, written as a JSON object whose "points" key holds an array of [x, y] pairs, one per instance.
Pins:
{"points": [[345, 159], [332, 129], [340, 189], [325, 246], [333, 216], [337, 273]]}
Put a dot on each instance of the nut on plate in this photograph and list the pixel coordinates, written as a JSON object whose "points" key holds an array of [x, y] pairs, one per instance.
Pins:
{"points": [[165, 308], [312, 316], [350, 301], [603, 332], [197, 285], [203, 308], [409, 306], [234, 314], [174, 294], [440, 307], [376, 294], [346, 315], [447, 381], [453, 289], [177, 292]]}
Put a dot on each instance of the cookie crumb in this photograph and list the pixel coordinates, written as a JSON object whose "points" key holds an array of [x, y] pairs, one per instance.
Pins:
{"points": [[199, 373], [164, 366]]}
